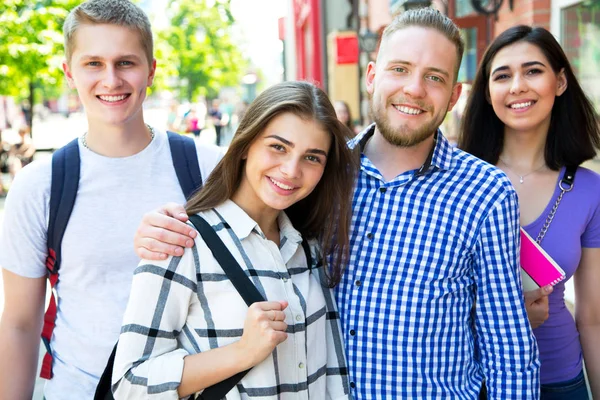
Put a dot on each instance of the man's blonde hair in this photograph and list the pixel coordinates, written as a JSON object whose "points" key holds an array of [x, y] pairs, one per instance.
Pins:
{"points": [[428, 18], [114, 12]]}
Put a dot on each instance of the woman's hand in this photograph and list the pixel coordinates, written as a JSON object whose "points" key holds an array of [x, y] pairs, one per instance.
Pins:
{"points": [[536, 304], [264, 329]]}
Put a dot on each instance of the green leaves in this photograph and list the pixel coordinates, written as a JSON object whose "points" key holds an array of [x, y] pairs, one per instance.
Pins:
{"points": [[199, 49], [31, 47]]}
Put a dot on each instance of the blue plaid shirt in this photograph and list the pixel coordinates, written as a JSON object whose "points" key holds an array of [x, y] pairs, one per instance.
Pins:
{"points": [[426, 247]]}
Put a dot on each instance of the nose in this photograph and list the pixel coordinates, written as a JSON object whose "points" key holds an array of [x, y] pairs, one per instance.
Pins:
{"points": [[414, 87], [518, 85], [111, 78], [290, 167]]}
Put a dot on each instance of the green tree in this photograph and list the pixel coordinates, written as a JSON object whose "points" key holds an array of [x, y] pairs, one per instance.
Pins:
{"points": [[31, 45], [199, 47]]}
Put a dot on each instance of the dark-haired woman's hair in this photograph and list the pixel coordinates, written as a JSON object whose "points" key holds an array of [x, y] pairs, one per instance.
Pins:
{"points": [[325, 213], [574, 132]]}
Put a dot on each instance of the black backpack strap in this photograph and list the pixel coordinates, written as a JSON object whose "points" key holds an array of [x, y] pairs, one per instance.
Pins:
{"points": [[63, 191], [104, 390], [306, 248], [243, 285], [185, 162]]}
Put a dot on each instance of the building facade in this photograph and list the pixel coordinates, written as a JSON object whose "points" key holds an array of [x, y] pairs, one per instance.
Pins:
{"points": [[575, 23]]}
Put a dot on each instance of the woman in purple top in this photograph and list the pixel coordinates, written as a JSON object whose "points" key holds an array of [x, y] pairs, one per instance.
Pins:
{"points": [[528, 115]]}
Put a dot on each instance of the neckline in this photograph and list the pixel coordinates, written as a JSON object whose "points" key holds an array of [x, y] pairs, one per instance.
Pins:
{"points": [[542, 217]]}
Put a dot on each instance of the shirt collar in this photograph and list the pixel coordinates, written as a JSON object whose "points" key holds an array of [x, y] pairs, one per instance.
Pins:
{"points": [[242, 225], [439, 157]]}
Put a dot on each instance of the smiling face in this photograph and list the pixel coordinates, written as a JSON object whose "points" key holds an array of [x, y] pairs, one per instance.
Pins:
{"points": [[110, 71], [412, 84], [283, 164], [523, 86]]}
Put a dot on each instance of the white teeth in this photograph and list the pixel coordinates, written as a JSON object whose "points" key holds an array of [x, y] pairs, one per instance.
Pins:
{"points": [[408, 110], [521, 105], [281, 185], [113, 98]]}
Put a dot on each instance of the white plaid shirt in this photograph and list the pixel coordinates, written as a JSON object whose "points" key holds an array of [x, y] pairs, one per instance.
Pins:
{"points": [[185, 305], [426, 247]]}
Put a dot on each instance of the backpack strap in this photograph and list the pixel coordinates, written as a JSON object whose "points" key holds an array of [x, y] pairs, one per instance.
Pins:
{"points": [[185, 162], [243, 285], [63, 190]]}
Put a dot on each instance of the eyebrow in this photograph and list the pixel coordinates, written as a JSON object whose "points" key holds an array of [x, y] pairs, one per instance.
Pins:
{"points": [[524, 65], [434, 69], [287, 142], [98, 58]]}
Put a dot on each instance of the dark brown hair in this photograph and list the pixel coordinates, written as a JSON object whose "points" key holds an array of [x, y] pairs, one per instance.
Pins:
{"points": [[574, 132], [325, 213]]}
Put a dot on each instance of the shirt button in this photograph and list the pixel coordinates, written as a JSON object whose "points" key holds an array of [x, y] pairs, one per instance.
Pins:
{"points": [[352, 332], [358, 283], [369, 235], [352, 385], [284, 280], [382, 189], [301, 365], [298, 318]]}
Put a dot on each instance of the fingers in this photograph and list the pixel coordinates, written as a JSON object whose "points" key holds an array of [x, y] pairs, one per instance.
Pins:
{"points": [[151, 249], [174, 210], [534, 295], [270, 305], [275, 315], [164, 223]]}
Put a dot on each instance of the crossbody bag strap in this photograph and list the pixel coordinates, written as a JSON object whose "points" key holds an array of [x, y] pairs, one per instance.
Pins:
{"points": [[565, 185], [242, 284]]}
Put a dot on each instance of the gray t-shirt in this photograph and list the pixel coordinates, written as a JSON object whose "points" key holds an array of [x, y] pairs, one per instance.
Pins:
{"points": [[98, 257]]}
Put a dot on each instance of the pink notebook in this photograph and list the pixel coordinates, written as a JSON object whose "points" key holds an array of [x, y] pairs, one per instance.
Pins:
{"points": [[537, 267]]}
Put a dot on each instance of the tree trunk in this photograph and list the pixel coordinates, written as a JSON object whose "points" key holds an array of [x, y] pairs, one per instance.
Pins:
{"points": [[29, 116]]}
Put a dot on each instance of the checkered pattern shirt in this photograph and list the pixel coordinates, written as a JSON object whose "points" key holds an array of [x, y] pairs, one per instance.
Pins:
{"points": [[185, 305], [427, 247]]}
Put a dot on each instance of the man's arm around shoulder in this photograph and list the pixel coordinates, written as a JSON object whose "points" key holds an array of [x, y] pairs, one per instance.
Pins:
{"points": [[20, 329]]}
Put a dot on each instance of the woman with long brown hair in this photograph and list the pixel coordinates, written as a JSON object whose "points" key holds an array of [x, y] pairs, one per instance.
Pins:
{"points": [[287, 177]]}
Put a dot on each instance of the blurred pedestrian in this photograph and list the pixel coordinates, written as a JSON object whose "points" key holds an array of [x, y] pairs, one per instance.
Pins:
{"points": [[126, 169], [216, 117], [4, 149], [173, 120], [342, 111], [22, 152], [192, 123], [529, 116]]}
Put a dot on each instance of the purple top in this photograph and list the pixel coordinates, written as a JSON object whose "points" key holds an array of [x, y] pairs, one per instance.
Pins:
{"points": [[575, 225]]}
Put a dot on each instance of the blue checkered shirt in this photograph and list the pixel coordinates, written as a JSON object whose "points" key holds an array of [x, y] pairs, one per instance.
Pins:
{"points": [[431, 302]]}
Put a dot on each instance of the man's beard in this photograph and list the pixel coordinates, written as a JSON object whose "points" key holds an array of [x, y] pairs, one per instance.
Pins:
{"points": [[402, 136]]}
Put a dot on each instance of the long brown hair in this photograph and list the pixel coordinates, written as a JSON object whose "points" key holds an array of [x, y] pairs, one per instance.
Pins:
{"points": [[325, 213]]}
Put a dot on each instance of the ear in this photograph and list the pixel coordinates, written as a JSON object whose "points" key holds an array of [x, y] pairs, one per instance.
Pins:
{"points": [[152, 73], [68, 74], [370, 78], [456, 91], [561, 83]]}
